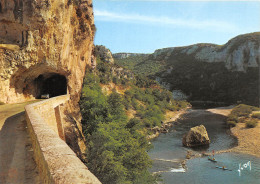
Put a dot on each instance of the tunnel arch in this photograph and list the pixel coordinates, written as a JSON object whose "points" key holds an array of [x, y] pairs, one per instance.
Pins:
{"points": [[53, 84]]}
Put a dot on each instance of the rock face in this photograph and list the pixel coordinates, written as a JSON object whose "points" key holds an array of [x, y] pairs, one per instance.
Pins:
{"points": [[104, 53], [126, 55], [44, 48], [197, 136], [222, 74], [237, 54]]}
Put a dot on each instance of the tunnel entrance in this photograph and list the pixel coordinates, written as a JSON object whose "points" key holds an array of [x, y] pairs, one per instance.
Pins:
{"points": [[52, 84]]}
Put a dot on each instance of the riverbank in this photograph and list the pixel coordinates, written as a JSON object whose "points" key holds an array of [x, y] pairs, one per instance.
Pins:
{"points": [[170, 118], [248, 138], [225, 111]]}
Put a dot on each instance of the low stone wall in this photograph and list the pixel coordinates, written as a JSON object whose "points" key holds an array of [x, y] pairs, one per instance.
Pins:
{"points": [[56, 162]]}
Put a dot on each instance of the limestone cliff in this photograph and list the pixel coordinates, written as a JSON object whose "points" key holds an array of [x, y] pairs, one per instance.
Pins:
{"points": [[124, 55], [238, 54], [225, 74], [44, 48]]}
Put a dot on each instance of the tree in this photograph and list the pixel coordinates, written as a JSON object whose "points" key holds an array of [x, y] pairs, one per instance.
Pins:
{"points": [[116, 107]]}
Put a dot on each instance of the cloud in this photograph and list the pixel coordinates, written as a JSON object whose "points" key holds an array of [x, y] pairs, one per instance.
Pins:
{"points": [[165, 21]]}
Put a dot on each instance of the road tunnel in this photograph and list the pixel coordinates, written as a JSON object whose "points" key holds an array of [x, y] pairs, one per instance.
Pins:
{"points": [[52, 84]]}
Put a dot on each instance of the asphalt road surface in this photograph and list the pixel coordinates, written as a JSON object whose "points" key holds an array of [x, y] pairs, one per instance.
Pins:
{"points": [[16, 155]]}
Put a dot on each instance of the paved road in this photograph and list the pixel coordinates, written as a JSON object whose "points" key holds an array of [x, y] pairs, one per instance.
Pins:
{"points": [[16, 157]]}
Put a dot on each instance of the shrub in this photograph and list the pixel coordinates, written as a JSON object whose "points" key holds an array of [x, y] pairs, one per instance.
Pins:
{"points": [[147, 123], [251, 124], [231, 123], [135, 104], [94, 28], [243, 110], [232, 117], [132, 123], [256, 115]]}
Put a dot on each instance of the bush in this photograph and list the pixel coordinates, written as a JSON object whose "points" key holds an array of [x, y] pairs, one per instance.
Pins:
{"points": [[231, 123], [147, 123], [256, 115], [243, 110], [251, 124], [232, 117], [133, 123]]}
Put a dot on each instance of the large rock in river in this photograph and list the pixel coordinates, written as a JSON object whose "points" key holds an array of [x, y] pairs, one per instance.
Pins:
{"points": [[197, 136]]}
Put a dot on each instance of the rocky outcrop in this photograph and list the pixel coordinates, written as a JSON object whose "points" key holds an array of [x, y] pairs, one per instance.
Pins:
{"points": [[44, 48], [237, 54], [197, 136], [104, 53], [127, 55]]}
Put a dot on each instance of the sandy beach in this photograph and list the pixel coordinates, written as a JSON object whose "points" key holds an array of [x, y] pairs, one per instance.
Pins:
{"points": [[248, 138], [225, 111]]}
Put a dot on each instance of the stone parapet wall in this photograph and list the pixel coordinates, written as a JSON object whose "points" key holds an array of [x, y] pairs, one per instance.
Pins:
{"points": [[56, 162]]}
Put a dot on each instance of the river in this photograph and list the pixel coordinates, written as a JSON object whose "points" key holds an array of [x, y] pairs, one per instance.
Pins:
{"points": [[168, 153]]}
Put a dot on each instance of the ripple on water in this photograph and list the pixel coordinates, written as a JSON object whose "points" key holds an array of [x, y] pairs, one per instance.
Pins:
{"points": [[201, 170]]}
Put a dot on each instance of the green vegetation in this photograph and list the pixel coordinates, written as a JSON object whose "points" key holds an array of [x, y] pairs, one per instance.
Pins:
{"points": [[203, 81], [233, 117], [129, 62], [213, 82], [140, 65], [241, 114], [117, 146], [243, 110], [251, 123], [115, 152]]}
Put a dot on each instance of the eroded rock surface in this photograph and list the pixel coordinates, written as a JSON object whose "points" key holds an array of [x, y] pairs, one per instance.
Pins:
{"points": [[124, 55], [238, 53], [197, 136], [104, 53]]}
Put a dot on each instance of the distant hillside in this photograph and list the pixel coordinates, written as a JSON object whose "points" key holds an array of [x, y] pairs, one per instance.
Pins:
{"points": [[206, 72]]}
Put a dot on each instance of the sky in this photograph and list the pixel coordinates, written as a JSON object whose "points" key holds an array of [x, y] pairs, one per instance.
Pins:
{"points": [[144, 26]]}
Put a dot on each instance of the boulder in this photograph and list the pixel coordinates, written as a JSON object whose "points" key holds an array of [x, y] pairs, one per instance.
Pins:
{"points": [[197, 136]]}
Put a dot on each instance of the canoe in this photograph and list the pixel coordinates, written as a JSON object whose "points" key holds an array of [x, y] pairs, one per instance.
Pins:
{"points": [[223, 168], [211, 159]]}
